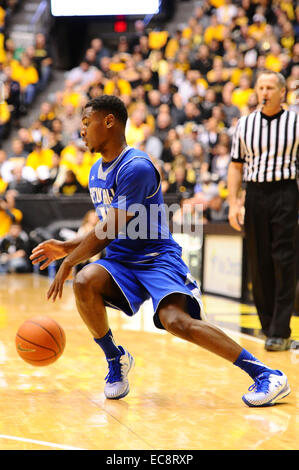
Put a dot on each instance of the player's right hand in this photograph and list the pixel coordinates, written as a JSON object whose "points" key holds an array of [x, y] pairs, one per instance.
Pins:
{"points": [[47, 252]]}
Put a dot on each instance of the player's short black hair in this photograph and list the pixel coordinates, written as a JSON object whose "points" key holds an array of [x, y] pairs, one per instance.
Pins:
{"points": [[110, 103]]}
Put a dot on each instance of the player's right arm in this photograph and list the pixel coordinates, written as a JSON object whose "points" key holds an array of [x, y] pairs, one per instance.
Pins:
{"points": [[52, 250]]}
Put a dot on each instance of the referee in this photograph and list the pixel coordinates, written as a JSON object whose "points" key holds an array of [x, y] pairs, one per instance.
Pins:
{"points": [[265, 155]]}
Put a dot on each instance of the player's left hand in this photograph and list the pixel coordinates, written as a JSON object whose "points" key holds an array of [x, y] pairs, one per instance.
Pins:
{"points": [[62, 275]]}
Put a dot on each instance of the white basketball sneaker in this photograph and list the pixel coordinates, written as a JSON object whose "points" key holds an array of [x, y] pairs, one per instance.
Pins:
{"points": [[268, 387], [117, 385]]}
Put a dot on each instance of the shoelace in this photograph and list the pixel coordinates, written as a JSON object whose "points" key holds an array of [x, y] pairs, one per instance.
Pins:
{"points": [[261, 384], [114, 373]]}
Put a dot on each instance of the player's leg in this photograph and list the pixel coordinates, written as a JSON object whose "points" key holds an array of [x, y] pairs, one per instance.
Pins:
{"points": [[270, 385], [91, 286], [173, 315]]}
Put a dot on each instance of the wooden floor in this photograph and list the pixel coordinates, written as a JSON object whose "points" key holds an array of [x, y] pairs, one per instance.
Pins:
{"points": [[181, 397]]}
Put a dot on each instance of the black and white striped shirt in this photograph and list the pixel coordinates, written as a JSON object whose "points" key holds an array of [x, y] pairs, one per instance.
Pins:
{"points": [[267, 145]]}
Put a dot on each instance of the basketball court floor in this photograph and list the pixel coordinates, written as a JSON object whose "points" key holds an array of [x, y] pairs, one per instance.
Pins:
{"points": [[182, 397]]}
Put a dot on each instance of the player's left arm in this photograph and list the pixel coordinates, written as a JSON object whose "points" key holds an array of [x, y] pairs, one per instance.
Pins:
{"points": [[94, 242]]}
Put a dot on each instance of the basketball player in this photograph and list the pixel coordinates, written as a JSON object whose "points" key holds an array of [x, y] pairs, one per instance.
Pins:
{"points": [[138, 269]]}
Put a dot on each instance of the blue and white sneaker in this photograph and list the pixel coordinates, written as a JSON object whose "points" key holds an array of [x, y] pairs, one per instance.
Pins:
{"points": [[267, 389], [117, 385]]}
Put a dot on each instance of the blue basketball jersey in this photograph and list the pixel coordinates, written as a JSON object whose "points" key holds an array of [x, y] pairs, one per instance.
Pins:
{"points": [[132, 183]]}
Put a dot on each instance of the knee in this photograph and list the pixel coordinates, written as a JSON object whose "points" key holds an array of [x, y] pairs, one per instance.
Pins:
{"points": [[80, 285], [84, 285], [176, 322]]}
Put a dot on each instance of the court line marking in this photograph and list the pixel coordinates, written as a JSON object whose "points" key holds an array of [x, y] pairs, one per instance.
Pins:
{"points": [[42, 443]]}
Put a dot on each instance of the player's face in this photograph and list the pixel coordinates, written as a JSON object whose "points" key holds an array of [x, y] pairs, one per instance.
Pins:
{"points": [[268, 88], [94, 130]]}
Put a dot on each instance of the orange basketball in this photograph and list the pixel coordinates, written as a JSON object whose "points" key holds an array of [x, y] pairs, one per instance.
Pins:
{"points": [[40, 341]]}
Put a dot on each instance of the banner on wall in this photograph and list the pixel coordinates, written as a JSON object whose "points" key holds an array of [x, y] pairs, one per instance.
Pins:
{"points": [[222, 265]]}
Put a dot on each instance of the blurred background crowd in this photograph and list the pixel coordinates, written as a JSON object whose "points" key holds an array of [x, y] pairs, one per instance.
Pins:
{"points": [[184, 91]]}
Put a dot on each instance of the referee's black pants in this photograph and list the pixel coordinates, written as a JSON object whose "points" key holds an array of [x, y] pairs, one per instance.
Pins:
{"points": [[271, 219]]}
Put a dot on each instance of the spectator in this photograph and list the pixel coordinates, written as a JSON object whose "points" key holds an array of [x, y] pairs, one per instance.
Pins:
{"points": [[91, 57], [153, 145], [13, 95], [154, 102], [56, 174], [26, 138], [83, 75], [241, 95], [4, 120], [181, 185], [163, 125], [226, 12], [192, 113], [208, 103], [191, 87], [71, 185], [18, 153], [42, 60], [221, 161], [40, 157], [19, 182], [205, 192], [26, 74], [230, 111], [202, 61], [14, 251], [71, 123], [9, 214], [6, 167], [47, 114], [209, 135], [100, 50], [139, 27]]}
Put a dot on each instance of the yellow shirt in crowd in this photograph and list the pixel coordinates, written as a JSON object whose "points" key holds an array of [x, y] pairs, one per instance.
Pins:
{"points": [[3, 185], [273, 62], [171, 48], [237, 73], [157, 39], [72, 98], [42, 158], [2, 48], [2, 16], [6, 221], [25, 76], [70, 161], [134, 134], [214, 32], [123, 86], [4, 112], [240, 97]]}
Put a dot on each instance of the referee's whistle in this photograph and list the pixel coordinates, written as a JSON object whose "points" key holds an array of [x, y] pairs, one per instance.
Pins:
{"points": [[264, 101]]}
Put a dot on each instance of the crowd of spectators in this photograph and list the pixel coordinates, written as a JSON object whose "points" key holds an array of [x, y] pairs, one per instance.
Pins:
{"points": [[184, 92], [24, 72]]}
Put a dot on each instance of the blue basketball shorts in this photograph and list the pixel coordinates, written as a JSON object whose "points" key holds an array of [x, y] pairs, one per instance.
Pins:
{"points": [[156, 279]]}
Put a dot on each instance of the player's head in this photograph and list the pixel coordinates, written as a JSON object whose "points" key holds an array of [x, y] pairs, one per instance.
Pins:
{"points": [[104, 118]]}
